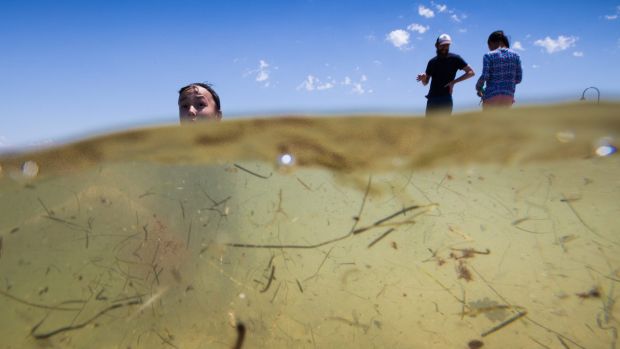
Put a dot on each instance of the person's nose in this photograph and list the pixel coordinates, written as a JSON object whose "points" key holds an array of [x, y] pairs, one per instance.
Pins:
{"points": [[191, 111]]}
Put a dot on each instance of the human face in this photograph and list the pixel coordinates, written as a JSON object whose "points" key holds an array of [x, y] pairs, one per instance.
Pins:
{"points": [[196, 103], [442, 50]]}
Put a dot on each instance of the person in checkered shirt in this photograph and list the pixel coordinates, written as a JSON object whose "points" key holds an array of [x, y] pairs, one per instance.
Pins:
{"points": [[501, 72]]}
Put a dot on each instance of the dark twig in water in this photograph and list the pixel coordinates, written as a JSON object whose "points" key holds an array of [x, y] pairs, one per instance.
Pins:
{"points": [[359, 214], [82, 324], [252, 173], [182, 209], [299, 285], [189, 233], [564, 345], [380, 237], [276, 292], [271, 277], [559, 335], [378, 223], [403, 211], [167, 341], [42, 306], [49, 213], [320, 265], [504, 323], [568, 202], [240, 335]]}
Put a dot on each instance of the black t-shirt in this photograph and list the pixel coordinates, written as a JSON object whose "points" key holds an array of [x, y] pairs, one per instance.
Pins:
{"points": [[442, 70]]}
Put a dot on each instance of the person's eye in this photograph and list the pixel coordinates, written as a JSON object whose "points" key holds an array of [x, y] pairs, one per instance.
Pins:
{"points": [[202, 105], [185, 106]]}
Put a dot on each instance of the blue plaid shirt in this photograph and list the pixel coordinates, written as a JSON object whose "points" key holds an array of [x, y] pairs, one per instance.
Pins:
{"points": [[501, 71]]}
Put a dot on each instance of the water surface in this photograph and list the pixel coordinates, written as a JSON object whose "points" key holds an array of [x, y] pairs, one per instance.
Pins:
{"points": [[357, 232]]}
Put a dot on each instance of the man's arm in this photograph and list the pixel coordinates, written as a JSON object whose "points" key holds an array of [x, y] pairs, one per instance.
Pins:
{"points": [[468, 74]]}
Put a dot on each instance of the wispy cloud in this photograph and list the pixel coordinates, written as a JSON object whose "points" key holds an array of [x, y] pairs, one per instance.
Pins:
{"points": [[440, 7], [425, 12], [614, 16], [312, 83], [399, 38], [518, 46], [358, 87], [261, 74], [578, 54], [415, 27], [560, 44]]}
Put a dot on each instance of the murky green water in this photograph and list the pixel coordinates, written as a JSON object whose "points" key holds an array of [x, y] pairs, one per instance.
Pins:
{"points": [[376, 232]]}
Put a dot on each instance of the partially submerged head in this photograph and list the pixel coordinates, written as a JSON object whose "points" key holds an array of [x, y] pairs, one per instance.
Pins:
{"points": [[199, 101], [443, 45], [498, 39]]}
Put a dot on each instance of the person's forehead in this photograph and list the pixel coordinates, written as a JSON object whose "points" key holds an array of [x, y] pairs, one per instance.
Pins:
{"points": [[195, 92]]}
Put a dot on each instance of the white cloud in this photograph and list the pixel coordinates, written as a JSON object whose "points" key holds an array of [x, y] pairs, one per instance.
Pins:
{"points": [[518, 46], [399, 38], [578, 54], [456, 18], [463, 30], [371, 37], [358, 89], [377, 62], [441, 8], [614, 16], [425, 12], [535, 66], [560, 44], [312, 83], [415, 27], [325, 86], [262, 73]]}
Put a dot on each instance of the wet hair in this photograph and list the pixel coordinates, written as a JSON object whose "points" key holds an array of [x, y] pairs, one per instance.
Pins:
{"points": [[207, 87], [498, 36]]}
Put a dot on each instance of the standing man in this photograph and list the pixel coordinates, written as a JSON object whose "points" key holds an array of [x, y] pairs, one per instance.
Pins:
{"points": [[441, 71]]}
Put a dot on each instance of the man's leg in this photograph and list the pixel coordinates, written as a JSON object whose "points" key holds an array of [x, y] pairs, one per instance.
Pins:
{"points": [[439, 106]]}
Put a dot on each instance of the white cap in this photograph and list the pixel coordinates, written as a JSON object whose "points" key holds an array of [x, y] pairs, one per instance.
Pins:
{"points": [[444, 39]]}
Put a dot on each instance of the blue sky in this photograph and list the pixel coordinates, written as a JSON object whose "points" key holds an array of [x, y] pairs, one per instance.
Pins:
{"points": [[71, 68]]}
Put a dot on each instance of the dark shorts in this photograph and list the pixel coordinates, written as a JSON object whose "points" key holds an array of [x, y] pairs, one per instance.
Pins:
{"points": [[439, 105]]}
